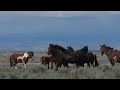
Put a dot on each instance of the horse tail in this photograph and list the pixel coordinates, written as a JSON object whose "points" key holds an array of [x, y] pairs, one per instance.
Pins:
{"points": [[96, 62], [11, 62]]}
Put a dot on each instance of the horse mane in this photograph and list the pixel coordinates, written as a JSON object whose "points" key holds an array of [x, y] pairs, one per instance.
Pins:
{"points": [[70, 48], [85, 49], [60, 48], [108, 47]]}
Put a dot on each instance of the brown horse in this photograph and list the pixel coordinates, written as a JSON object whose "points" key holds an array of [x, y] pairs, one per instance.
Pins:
{"points": [[53, 61], [56, 54], [113, 55], [67, 53], [20, 58], [45, 61]]}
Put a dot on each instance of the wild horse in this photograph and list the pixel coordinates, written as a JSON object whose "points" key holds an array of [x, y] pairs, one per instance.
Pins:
{"points": [[92, 58], [78, 57], [68, 55], [112, 54], [56, 54], [20, 58], [45, 61]]}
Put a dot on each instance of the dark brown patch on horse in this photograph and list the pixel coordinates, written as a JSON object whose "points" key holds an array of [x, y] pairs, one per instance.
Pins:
{"points": [[56, 54], [45, 60]]}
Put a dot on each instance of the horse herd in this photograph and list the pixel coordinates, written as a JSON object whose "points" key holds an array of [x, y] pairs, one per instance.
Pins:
{"points": [[59, 56]]}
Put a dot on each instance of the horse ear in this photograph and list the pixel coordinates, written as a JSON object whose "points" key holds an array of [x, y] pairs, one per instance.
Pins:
{"points": [[104, 44]]}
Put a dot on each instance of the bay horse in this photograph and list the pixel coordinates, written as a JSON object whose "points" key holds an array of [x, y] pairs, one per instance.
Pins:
{"points": [[112, 54], [67, 53], [20, 58], [53, 61], [92, 58], [56, 54], [45, 60]]}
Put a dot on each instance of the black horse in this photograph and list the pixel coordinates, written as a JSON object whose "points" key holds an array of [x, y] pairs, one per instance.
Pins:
{"points": [[78, 57], [92, 58]]}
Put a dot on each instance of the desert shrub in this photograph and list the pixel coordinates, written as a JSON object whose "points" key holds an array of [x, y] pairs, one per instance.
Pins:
{"points": [[40, 72]]}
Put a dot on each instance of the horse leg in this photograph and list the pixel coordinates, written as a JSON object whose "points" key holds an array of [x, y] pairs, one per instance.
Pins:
{"points": [[77, 64], [112, 62], [48, 65], [25, 66], [51, 64], [88, 64], [67, 65], [92, 64], [58, 64], [82, 64], [24, 63], [56, 68], [14, 64]]}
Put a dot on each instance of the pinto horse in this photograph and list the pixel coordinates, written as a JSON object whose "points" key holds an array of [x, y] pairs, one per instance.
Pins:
{"points": [[113, 55], [20, 58]]}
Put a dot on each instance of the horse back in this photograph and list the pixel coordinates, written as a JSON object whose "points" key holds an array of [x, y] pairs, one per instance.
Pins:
{"points": [[15, 56], [45, 59], [91, 55]]}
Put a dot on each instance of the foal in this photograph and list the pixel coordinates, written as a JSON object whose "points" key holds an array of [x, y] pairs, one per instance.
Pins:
{"points": [[45, 61]]}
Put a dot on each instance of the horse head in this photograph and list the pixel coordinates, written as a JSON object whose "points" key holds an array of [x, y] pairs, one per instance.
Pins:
{"points": [[85, 49], [31, 55], [104, 48], [50, 49]]}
